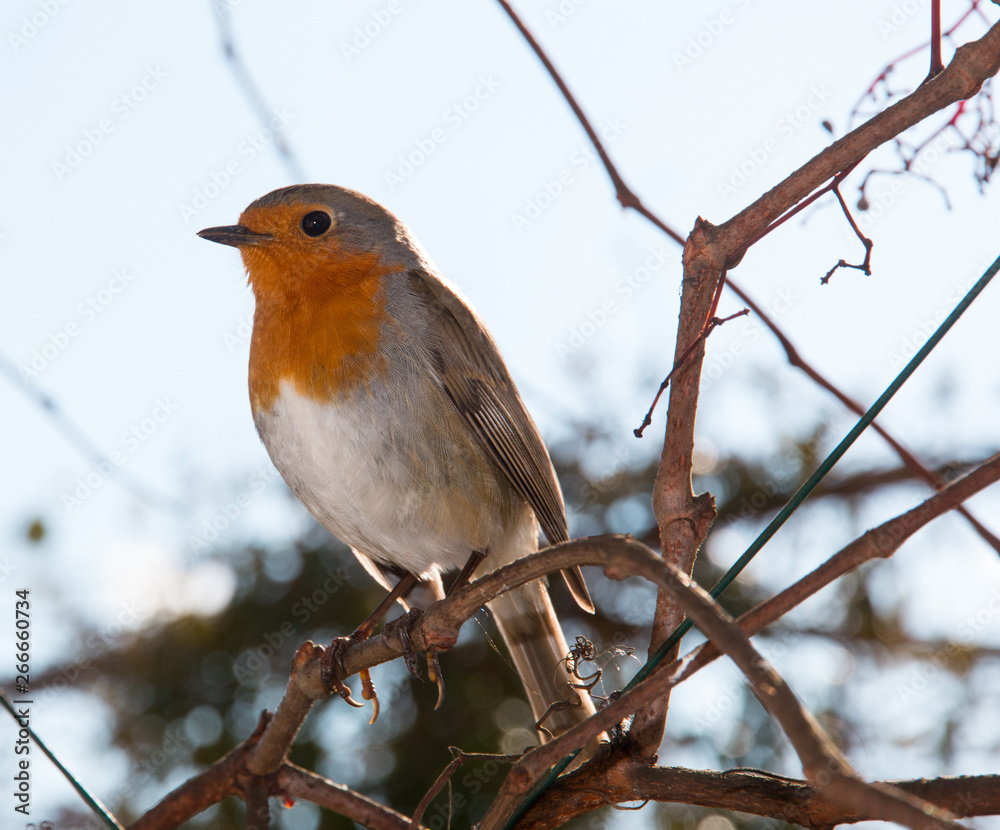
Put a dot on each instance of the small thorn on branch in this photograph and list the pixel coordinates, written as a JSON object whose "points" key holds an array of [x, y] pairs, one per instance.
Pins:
{"points": [[718, 321]]}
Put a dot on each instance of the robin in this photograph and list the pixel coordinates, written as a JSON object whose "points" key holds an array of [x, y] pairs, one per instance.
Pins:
{"points": [[385, 404]]}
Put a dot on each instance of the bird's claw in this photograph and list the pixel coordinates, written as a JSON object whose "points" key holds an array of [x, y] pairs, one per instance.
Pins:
{"points": [[368, 693], [435, 676], [332, 669], [401, 627]]}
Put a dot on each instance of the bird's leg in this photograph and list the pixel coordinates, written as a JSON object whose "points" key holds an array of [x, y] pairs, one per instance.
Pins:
{"points": [[465, 574], [333, 658], [403, 587], [433, 665], [402, 626]]}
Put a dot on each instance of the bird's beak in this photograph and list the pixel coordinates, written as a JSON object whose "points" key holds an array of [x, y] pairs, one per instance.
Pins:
{"points": [[236, 235]]}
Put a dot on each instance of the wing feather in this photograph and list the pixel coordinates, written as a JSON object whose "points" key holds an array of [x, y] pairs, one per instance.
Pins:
{"points": [[475, 378]]}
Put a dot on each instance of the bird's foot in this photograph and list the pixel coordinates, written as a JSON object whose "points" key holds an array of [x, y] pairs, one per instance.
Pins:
{"points": [[402, 628], [332, 670]]}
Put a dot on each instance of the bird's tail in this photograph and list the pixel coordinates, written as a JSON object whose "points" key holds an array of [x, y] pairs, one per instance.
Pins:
{"points": [[531, 630]]}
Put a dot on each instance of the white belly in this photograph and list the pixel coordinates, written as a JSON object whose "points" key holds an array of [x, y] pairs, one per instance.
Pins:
{"points": [[423, 505]]}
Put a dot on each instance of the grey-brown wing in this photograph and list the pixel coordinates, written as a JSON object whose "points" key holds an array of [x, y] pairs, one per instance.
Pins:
{"points": [[476, 380]]}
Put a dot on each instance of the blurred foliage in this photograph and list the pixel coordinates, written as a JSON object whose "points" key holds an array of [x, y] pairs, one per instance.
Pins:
{"points": [[185, 691]]}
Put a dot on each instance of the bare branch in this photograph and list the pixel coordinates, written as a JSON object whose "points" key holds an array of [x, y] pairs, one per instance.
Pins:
{"points": [[258, 811], [302, 691], [798, 803], [303, 785], [972, 64], [746, 791], [823, 764], [196, 794], [229, 776], [620, 556]]}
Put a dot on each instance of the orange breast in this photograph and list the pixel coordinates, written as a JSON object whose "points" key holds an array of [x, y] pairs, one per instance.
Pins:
{"points": [[316, 324]]}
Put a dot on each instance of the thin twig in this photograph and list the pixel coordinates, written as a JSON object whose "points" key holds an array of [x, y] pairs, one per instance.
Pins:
{"points": [[937, 64], [625, 195], [446, 774], [822, 763], [866, 266], [197, 794], [77, 438], [711, 323], [251, 91]]}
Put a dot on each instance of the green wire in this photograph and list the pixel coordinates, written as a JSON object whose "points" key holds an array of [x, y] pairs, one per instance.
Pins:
{"points": [[91, 800], [793, 503]]}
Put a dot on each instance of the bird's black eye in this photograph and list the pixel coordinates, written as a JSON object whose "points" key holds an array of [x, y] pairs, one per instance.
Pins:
{"points": [[316, 223]]}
